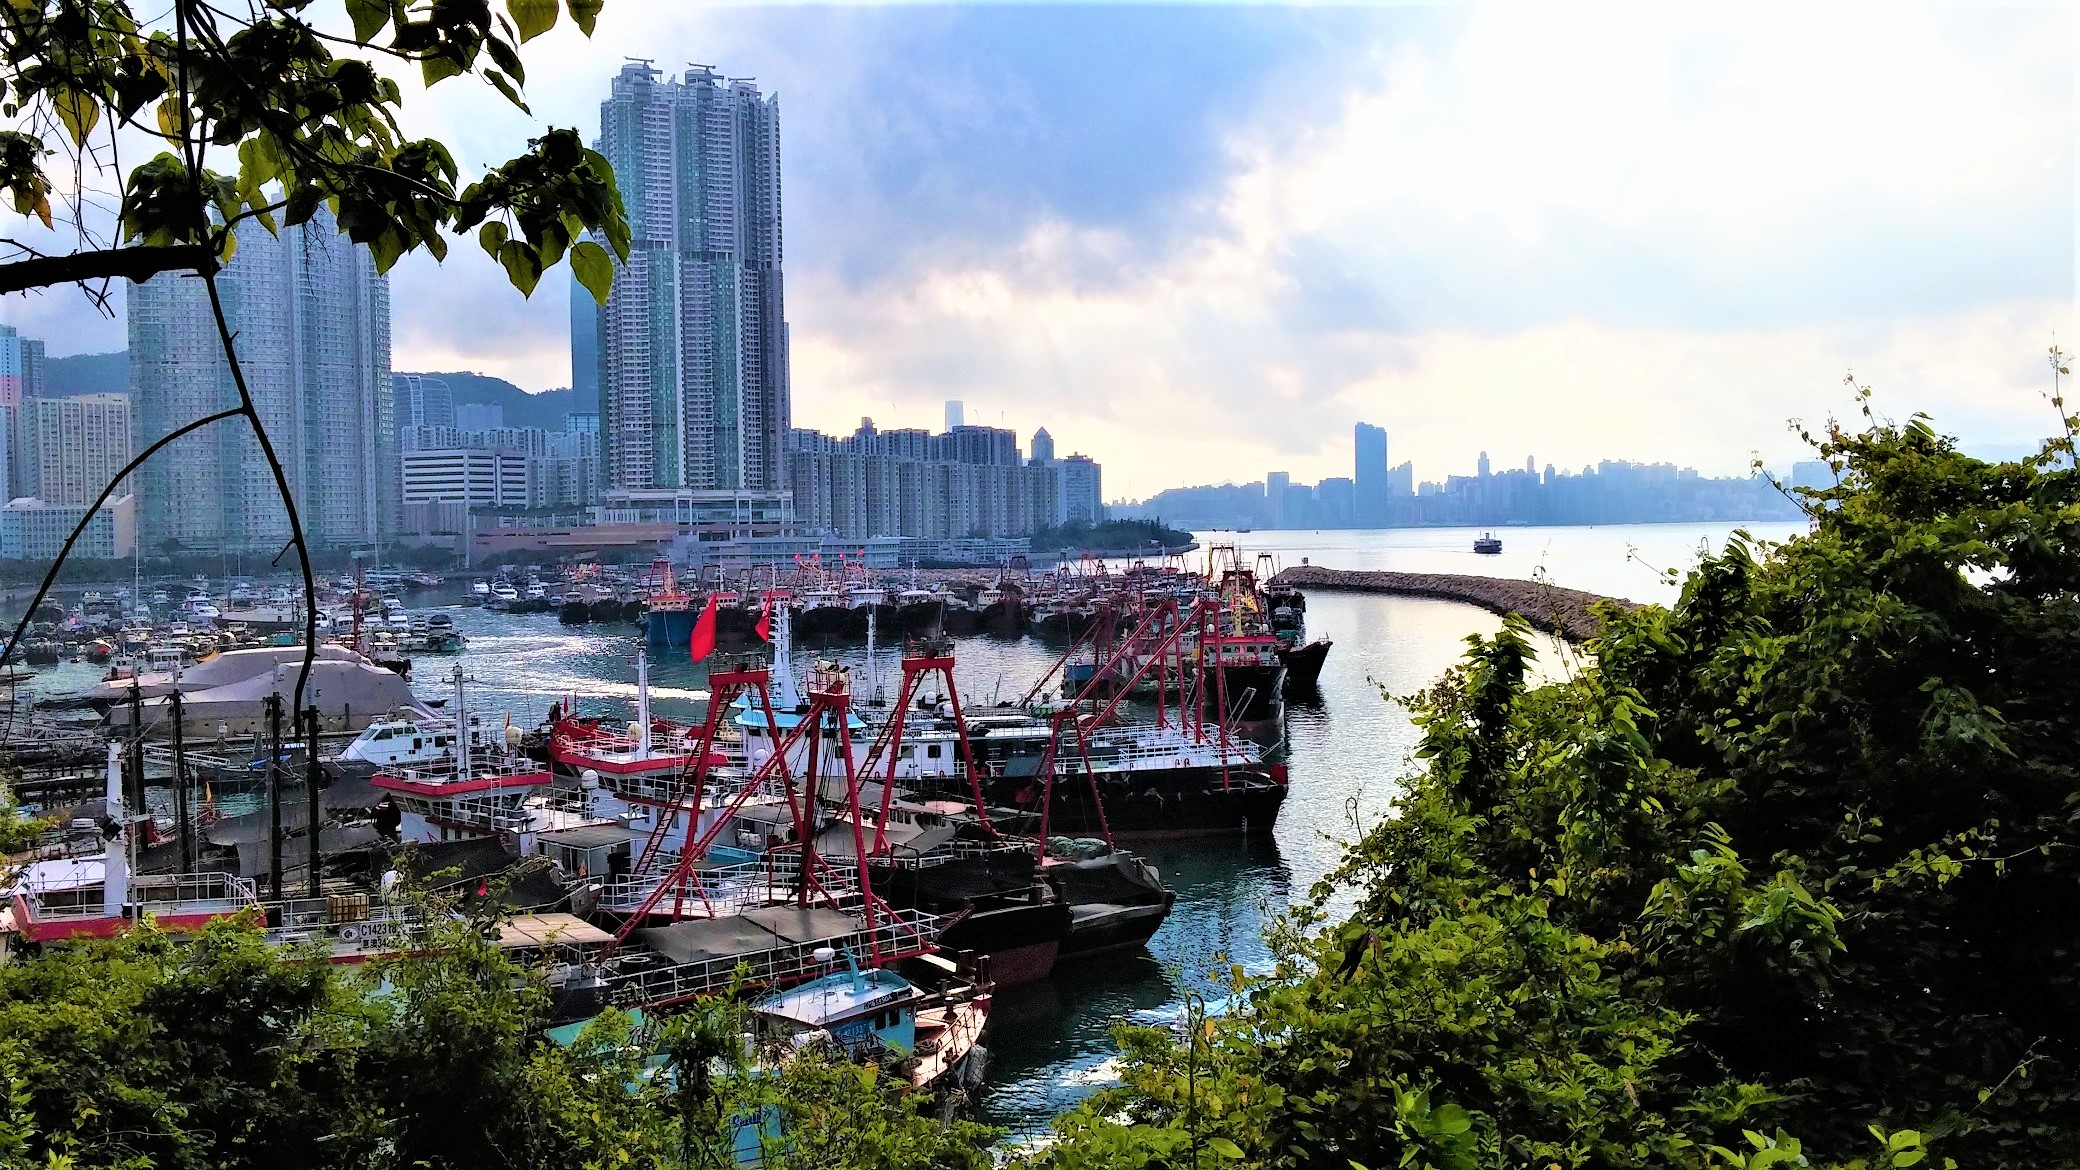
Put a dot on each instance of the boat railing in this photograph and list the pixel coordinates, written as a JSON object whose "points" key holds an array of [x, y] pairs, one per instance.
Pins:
{"points": [[345, 923], [1134, 754], [896, 934], [525, 774], [172, 893], [727, 889]]}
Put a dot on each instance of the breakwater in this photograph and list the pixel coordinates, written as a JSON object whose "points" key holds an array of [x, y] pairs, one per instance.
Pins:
{"points": [[1569, 613]]}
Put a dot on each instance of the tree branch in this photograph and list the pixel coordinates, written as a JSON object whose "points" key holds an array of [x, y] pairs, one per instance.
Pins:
{"points": [[58, 562], [134, 264]]}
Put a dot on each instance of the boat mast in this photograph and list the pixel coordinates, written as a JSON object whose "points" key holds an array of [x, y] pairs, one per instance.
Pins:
{"points": [[461, 728], [643, 704], [785, 691]]}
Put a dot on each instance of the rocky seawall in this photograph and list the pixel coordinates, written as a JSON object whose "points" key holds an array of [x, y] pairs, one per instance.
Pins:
{"points": [[1566, 612]]}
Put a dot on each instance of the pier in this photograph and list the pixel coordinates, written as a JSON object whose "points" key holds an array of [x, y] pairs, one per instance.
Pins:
{"points": [[1569, 613]]}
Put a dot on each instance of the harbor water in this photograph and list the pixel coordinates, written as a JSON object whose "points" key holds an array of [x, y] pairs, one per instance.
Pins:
{"points": [[1347, 750]]}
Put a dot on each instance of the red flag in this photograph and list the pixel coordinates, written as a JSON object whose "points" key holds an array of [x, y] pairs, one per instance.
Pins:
{"points": [[764, 628], [703, 643]]}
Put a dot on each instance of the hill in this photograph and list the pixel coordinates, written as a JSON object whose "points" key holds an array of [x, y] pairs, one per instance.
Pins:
{"points": [[522, 409], [109, 373], [87, 373]]}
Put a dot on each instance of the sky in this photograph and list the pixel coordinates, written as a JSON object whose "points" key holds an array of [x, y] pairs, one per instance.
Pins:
{"points": [[1198, 243]]}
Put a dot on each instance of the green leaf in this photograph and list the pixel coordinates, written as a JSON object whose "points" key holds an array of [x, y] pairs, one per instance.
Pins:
{"points": [[78, 111], [522, 264], [1224, 1147], [436, 68], [505, 87], [586, 13], [369, 17], [533, 17], [492, 236], [594, 269]]}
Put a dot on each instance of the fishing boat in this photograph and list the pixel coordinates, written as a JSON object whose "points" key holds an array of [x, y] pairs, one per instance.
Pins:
{"points": [[1001, 609], [875, 1015]]}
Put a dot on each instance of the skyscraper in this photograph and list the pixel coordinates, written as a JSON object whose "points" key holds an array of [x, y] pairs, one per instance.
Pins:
{"points": [[956, 413], [312, 321], [1370, 475], [693, 392], [1275, 485]]}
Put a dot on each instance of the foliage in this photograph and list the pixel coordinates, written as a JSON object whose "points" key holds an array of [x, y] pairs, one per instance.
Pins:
{"points": [[306, 126], [164, 1051], [1783, 876], [1077, 535]]}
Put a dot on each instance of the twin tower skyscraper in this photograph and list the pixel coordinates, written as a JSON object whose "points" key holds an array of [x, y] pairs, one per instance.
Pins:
{"points": [[689, 354]]}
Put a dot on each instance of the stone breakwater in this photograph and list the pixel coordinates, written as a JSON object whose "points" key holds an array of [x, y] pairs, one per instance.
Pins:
{"points": [[1566, 612]]}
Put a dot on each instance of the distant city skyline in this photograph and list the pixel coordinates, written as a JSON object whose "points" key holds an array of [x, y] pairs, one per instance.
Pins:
{"points": [[1293, 220]]}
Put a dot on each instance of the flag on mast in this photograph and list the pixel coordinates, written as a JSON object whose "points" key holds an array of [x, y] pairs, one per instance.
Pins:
{"points": [[703, 642], [764, 628]]}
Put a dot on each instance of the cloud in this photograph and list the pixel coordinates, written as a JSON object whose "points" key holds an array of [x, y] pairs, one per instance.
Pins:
{"points": [[1581, 234], [1198, 243]]}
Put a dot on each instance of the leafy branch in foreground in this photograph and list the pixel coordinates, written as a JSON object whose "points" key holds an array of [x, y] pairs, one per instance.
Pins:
{"points": [[308, 128]]}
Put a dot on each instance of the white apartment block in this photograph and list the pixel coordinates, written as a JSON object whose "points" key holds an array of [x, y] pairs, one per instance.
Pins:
{"points": [[67, 449], [476, 477]]}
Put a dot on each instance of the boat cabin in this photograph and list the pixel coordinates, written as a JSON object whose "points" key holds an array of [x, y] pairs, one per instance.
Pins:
{"points": [[868, 1013], [400, 741]]}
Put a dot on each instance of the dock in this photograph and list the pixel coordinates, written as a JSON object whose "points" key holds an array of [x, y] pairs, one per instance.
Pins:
{"points": [[1570, 613]]}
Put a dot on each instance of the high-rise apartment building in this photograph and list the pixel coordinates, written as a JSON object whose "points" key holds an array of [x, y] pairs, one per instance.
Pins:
{"points": [[693, 384], [20, 365], [1371, 477], [67, 449], [966, 483], [1083, 496], [423, 401], [956, 414], [312, 322]]}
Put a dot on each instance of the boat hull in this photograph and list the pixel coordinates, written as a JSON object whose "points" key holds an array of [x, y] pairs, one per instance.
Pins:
{"points": [[1253, 691], [1181, 802], [1304, 666], [670, 627], [1005, 617]]}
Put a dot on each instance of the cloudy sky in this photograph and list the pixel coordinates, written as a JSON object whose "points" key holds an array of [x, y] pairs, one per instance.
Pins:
{"points": [[1199, 243]]}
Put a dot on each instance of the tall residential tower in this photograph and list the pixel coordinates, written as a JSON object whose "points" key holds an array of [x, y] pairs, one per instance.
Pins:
{"points": [[312, 321], [692, 343]]}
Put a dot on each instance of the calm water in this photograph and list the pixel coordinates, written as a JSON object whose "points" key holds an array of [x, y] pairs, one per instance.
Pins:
{"points": [[1348, 751]]}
